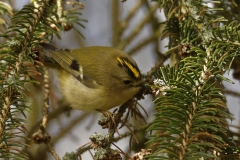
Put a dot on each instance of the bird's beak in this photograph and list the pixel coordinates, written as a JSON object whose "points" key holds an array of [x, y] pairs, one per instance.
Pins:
{"points": [[144, 87]]}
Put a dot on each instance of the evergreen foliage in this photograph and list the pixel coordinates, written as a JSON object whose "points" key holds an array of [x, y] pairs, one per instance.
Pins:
{"points": [[31, 25], [192, 117], [14, 52], [191, 120]]}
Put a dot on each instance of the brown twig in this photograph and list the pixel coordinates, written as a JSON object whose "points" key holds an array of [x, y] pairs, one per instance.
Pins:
{"points": [[154, 36], [233, 93], [115, 23], [84, 148], [73, 123], [55, 155], [132, 12], [137, 29], [4, 113], [46, 100], [143, 128], [59, 8], [69, 127], [87, 146], [121, 151], [146, 41], [41, 136], [160, 62], [134, 136]]}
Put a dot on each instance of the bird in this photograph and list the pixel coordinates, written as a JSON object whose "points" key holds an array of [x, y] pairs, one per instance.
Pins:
{"points": [[94, 78]]}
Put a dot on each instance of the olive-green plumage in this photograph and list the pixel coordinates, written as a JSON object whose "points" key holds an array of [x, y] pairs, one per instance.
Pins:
{"points": [[95, 77]]}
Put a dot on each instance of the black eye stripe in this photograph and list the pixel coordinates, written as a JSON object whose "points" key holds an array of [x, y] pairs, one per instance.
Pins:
{"points": [[74, 65], [127, 81]]}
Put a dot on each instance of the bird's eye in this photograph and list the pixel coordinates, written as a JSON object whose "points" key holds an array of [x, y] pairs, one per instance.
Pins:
{"points": [[127, 81]]}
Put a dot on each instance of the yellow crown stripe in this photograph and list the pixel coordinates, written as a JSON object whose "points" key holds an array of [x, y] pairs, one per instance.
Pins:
{"points": [[120, 60], [133, 69]]}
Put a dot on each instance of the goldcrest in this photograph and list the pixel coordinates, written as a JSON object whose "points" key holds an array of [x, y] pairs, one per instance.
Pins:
{"points": [[95, 78]]}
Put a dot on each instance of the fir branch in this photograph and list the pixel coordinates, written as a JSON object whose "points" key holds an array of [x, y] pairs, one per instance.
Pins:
{"points": [[30, 25], [192, 110], [68, 18], [5, 9], [188, 115], [14, 73]]}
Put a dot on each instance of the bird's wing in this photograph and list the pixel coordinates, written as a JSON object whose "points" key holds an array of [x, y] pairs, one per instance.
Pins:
{"points": [[69, 63], [65, 60]]}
